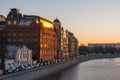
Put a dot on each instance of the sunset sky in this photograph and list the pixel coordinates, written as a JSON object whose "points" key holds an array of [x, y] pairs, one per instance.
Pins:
{"points": [[92, 21]]}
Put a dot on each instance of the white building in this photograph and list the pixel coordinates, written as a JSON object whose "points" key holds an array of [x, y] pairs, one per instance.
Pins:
{"points": [[117, 45], [22, 56], [9, 63]]}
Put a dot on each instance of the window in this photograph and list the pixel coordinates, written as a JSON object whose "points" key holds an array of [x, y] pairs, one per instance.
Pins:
{"points": [[41, 45], [35, 40], [20, 34], [9, 22], [24, 55], [20, 40], [12, 16], [14, 40], [14, 22], [9, 40], [9, 34], [14, 34]]}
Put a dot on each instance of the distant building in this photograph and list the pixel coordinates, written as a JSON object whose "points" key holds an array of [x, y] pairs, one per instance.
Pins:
{"points": [[117, 45], [58, 30], [35, 32], [62, 40], [101, 45], [113, 48], [65, 44], [73, 45], [76, 46]]}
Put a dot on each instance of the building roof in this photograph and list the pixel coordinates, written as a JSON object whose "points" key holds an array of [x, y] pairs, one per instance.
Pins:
{"points": [[34, 16], [57, 20], [10, 48], [14, 13]]}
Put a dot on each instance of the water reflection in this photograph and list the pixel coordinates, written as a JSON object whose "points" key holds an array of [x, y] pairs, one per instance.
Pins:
{"points": [[100, 69]]}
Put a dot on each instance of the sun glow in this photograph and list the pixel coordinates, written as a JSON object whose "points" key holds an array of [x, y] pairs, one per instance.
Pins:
{"points": [[46, 23]]}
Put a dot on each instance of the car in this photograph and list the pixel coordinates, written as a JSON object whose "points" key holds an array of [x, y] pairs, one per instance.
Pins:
{"points": [[9, 70], [20, 68], [37, 65], [41, 64], [12, 69], [27, 67], [16, 70]]}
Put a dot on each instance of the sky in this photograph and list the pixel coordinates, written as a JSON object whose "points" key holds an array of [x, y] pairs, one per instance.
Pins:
{"points": [[91, 21]]}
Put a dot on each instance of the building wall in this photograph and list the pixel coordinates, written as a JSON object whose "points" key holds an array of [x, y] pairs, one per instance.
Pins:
{"points": [[23, 56], [62, 40], [48, 44], [73, 45], [67, 43], [58, 30], [65, 53], [18, 35], [34, 32], [101, 45]]}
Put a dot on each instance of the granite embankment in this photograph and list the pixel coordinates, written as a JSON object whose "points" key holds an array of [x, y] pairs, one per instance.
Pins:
{"points": [[41, 72]]}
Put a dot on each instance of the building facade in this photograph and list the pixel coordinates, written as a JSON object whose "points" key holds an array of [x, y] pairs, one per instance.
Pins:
{"points": [[35, 32], [67, 43], [62, 40], [58, 30], [73, 45], [64, 44], [101, 45], [22, 56]]}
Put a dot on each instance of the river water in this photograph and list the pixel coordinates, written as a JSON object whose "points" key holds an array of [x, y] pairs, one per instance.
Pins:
{"points": [[99, 69]]}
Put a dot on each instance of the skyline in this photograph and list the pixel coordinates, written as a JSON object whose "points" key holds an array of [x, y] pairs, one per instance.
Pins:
{"points": [[92, 21]]}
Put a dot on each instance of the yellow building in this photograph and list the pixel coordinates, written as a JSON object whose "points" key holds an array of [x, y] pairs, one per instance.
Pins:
{"points": [[48, 41]]}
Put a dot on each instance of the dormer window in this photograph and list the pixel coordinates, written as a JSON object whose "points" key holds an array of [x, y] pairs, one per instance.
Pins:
{"points": [[9, 22], [14, 13], [11, 16]]}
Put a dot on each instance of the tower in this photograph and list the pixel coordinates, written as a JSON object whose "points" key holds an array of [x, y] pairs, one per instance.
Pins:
{"points": [[58, 29], [13, 17], [14, 13]]}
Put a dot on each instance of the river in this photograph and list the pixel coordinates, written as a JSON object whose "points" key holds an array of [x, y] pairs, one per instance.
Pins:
{"points": [[99, 69]]}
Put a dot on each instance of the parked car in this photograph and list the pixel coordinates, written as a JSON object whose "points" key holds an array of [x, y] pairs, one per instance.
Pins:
{"points": [[28, 67], [20, 68], [11, 70]]}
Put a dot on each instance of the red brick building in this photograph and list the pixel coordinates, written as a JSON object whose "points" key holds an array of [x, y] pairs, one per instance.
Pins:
{"points": [[35, 32]]}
